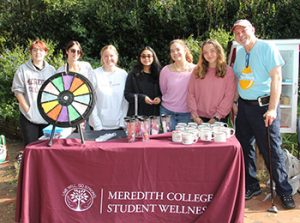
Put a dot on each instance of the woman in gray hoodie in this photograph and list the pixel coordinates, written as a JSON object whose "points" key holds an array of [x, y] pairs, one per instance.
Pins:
{"points": [[27, 82]]}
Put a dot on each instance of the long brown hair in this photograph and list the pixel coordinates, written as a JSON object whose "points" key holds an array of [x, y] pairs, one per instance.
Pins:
{"points": [[202, 65]]}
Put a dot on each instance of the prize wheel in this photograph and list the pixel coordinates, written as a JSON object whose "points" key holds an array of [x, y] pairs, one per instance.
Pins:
{"points": [[66, 99]]}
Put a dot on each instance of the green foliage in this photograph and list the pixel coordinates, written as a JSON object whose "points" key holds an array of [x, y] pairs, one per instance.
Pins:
{"points": [[194, 46], [290, 142], [9, 110], [129, 25], [9, 61], [222, 36]]}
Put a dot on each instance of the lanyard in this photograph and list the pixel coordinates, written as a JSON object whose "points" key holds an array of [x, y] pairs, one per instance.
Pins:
{"points": [[247, 59]]}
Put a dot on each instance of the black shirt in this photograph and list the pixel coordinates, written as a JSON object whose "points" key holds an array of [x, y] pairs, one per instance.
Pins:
{"points": [[143, 84]]}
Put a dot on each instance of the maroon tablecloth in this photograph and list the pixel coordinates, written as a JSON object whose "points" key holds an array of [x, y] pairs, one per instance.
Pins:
{"points": [[151, 182]]}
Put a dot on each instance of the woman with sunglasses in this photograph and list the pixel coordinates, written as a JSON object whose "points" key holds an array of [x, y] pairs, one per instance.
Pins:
{"points": [[74, 53], [173, 81], [143, 81], [111, 106], [27, 81]]}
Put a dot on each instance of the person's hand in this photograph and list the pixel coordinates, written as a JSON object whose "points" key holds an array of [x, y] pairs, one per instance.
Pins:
{"points": [[198, 120], [156, 101], [211, 121], [148, 100], [235, 109], [270, 116]]}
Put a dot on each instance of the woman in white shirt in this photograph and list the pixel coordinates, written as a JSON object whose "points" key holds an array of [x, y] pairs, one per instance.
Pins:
{"points": [[111, 106]]}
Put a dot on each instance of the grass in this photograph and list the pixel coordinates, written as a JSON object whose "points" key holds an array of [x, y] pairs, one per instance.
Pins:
{"points": [[290, 142]]}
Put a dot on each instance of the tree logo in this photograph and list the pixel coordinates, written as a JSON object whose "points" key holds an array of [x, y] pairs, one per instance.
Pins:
{"points": [[79, 197]]}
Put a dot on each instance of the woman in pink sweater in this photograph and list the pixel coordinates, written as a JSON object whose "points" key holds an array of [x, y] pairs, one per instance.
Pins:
{"points": [[212, 85], [174, 79]]}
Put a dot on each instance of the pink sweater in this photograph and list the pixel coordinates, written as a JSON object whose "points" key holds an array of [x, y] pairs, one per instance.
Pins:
{"points": [[211, 96], [174, 88]]}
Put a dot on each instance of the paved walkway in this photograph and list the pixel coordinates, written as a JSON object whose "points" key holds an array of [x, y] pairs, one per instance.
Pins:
{"points": [[256, 210]]}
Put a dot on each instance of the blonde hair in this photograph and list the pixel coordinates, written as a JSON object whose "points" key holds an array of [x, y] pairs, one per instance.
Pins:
{"points": [[202, 65], [188, 54], [108, 47]]}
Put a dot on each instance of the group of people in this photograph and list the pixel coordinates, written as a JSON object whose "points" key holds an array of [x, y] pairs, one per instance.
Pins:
{"points": [[204, 92]]}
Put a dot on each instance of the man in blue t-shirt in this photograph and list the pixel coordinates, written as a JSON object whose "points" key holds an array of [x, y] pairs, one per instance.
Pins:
{"points": [[258, 70]]}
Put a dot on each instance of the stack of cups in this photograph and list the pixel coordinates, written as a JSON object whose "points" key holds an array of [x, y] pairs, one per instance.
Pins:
{"points": [[154, 125], [138, 126], [217, 132], [166, 123], [205, 132], [144, 123], [130, 129], [222, 133], [185, 133]]}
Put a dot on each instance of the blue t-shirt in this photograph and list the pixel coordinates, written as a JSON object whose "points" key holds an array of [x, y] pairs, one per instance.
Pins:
{"points": [[253, 69]]}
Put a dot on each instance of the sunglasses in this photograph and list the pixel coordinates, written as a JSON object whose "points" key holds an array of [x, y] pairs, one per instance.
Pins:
{"points": [[146, 56], [75, 51]]}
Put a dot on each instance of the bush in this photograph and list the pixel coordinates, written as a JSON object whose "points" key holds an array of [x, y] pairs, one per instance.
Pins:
{"points": [[194, 46], [222, 36]]}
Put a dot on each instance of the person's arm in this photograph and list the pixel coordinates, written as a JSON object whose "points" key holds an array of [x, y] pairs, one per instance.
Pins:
{"points": [[276, 79], [129, 89], [157, 99], [191, 101], [229, 95], [22, 101], [235, 103], [19, 89], [92, 75], [163, 79], [124, 110], [94, 120]]}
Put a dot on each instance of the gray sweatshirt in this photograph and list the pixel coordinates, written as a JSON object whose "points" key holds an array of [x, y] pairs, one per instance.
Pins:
{"points": [[28, 81]]}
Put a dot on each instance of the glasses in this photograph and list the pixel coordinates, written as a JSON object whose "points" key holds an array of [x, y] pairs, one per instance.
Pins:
{"points": [[146, 56], [37, 49], [75, 51]]}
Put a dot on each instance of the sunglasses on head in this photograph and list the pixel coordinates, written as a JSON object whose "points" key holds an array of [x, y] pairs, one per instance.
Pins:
{"points": [[75, 51]]}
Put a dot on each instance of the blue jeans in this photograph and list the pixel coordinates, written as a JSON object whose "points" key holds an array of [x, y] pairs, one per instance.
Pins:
{"points": [[250, 129], [176, 117]]}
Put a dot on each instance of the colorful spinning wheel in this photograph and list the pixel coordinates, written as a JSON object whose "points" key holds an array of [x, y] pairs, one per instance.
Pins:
{"points": [[66, 99]]}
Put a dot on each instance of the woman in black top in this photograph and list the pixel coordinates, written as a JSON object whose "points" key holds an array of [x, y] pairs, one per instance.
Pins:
{"points": [[143, 80]]}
